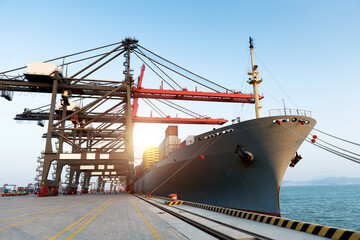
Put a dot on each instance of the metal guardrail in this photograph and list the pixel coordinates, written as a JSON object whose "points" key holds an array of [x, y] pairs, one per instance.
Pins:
{"points": [[289, 111]]}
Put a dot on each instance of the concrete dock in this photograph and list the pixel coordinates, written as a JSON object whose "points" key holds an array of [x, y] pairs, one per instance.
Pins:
{"points": [[123, 216], [120, 216]]}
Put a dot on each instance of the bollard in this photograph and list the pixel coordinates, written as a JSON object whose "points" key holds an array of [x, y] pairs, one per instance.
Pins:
{"points": [[173, 197]]}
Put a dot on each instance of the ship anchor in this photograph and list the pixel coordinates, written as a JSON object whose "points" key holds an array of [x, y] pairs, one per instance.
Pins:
{"points": [[245, 156], [295, 160]]}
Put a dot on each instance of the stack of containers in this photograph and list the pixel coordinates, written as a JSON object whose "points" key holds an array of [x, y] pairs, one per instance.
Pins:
{"points": [[171, 140], [170, 143], [150, 156], [162, 150]]}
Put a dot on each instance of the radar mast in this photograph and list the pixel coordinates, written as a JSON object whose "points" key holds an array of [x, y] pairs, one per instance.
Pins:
{"points": [[254, 79]]}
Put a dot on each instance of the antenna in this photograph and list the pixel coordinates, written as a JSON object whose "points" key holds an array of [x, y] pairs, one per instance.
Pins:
{"points": [[254, 80], [284, 106], [251, 42]]}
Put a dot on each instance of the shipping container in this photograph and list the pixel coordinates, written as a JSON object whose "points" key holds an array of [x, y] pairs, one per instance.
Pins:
{"points": [[171, 130], [162, 146], [162, 155], [171, 140]]}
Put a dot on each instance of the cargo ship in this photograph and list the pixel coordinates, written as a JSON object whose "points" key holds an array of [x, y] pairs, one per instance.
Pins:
{"points": [[239, 166]]}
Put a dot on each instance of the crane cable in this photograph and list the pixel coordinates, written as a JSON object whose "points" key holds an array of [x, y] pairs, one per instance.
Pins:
{"points": [[340, 154], [153, 104], [178, 72], [183, 111], [156, 109], [163, 72], [154, 70], [184, 108], [87, 58], [185, 69], [69, 55]]}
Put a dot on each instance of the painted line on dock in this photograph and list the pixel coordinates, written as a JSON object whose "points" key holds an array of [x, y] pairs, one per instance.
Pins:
{"points": [[86, 223], [72, 225], [31, 206], [315, 229], [15, 224], [1, 220], [156, 235], [17, 209]]}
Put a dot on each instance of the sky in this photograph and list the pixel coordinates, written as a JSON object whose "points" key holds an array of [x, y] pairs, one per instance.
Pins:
{"points": [[307, 52]]}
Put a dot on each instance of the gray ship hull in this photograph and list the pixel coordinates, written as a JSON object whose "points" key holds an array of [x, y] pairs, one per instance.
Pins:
{"points": [[209, 171]]}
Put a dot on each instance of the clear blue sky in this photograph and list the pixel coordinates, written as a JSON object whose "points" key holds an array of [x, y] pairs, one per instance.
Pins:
{"points": [[311, 48]]}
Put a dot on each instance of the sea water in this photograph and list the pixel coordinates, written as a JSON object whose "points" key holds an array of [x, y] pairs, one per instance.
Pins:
{"points": [[336, 206]]}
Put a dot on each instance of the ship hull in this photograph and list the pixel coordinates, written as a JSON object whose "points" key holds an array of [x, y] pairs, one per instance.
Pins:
{"points": [[213, 171]]}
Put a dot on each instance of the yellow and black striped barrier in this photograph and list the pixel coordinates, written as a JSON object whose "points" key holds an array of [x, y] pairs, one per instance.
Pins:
{"points": [[316, 229], [174, 203]]}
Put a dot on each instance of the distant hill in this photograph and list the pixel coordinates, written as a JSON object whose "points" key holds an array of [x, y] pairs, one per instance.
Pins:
{"points": [[324, 181]]}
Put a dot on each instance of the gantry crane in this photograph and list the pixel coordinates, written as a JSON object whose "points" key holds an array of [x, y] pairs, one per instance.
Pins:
{"points": [[100, 132]]}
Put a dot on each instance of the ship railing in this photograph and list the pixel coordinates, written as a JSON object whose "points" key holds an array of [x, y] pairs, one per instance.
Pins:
{"points": [[289, 111]]}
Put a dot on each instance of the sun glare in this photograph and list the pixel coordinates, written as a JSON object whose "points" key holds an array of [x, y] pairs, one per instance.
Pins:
{"points": [[147, 135]]}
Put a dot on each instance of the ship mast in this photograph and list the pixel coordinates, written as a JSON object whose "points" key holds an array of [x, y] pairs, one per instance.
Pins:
{"points": [[254, 80]]}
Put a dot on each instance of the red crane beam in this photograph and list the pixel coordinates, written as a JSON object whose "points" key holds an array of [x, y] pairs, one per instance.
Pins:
{"points": [[170, 120], [136, 100], [193, 95]]}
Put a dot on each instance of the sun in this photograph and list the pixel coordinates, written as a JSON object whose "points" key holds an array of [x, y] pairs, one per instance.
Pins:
{"points": [[147, 135]]}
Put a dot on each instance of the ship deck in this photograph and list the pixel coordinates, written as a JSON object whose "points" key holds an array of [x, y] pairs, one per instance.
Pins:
{"points": [[122, 216]]}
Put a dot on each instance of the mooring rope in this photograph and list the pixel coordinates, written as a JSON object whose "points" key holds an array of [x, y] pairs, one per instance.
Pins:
{"points": [[337, 137], [340, 154]]}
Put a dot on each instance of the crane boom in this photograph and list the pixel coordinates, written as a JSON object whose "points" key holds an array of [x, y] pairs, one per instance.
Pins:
{"points": [[218, 121], [193, 95]]}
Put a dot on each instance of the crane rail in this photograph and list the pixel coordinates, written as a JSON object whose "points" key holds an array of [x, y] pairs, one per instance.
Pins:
{"points": [[202, 227]]}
